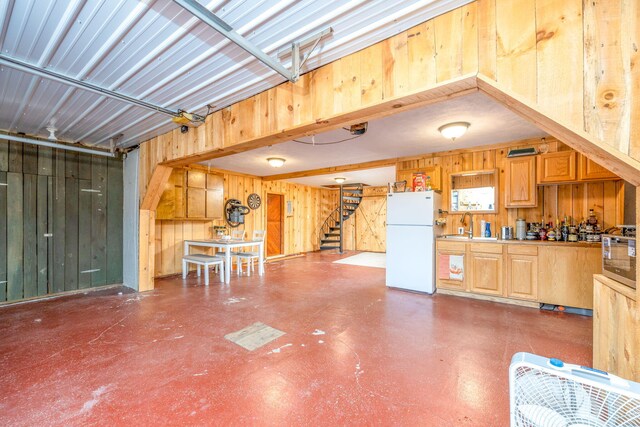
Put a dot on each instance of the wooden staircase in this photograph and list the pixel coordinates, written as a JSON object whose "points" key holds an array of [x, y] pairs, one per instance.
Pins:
{"points": [[332, 229]]}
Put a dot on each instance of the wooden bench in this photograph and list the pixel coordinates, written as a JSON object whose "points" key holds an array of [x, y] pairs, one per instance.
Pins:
{"points": [[205, 261]]}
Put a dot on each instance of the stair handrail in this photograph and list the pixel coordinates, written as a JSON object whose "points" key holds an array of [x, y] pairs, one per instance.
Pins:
{"points": [[325, 228]]}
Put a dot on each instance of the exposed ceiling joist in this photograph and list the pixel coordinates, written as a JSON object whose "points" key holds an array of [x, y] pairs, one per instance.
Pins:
{"points": [[67, 147], [326, 171], [218, 24], [61, 78]]}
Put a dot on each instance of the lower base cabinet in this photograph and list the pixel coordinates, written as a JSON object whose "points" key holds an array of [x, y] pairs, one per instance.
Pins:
{"points": [[543, 273], [485, 262], [616, 328]]}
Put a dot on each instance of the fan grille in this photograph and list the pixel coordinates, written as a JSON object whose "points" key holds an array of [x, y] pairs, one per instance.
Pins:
{"points": [[540, 398]]}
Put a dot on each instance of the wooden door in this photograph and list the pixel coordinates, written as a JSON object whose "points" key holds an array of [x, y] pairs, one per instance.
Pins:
{"points": [[275, 224], [371, 228]]}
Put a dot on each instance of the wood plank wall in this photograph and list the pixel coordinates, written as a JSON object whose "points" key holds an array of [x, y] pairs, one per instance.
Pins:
{"points": [[573, 59], [310, 208], [77, 199], [606, 198]]}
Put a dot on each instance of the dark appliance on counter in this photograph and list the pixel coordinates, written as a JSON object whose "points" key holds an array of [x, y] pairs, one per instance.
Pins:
{"points": [[619, 258]]}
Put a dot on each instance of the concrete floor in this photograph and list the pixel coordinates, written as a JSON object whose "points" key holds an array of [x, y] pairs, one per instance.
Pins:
{"points": [[386, 356]]}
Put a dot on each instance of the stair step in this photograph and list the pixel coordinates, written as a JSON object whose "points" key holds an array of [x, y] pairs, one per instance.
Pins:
{"points": [[331, 234], [356, 199], [327, 248], [351, 204], [329, 241], [352, 191], [334, 228]]}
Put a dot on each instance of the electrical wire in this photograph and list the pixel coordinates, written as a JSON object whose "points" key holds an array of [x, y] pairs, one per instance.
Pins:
{"points": [[326, 143]]}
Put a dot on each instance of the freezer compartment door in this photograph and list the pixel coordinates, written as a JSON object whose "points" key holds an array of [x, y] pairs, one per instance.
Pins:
{"points": [[412, 208], [411, 258]]}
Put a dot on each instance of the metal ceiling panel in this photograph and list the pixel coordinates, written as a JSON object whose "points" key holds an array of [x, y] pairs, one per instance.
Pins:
{"points": [[156, 51]]}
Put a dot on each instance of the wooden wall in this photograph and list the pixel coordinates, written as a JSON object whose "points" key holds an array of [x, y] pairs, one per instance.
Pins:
{"points": [[574, 61], [310, 208], [606, 198], [530, 55], [60, 221]]}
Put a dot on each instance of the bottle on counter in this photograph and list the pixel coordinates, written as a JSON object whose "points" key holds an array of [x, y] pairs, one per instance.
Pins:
{"points": [[487, 230], [521, 229], [564, 230]]}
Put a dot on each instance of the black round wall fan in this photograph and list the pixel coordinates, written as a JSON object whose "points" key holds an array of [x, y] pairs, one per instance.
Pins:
{"points": [[253, 200], [234, 212]]}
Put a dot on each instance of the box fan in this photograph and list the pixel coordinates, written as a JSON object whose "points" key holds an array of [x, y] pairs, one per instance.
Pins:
{"points": [[549, 393]]}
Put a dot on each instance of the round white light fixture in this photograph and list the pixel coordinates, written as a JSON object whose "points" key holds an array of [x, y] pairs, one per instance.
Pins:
{"points": [[276, 162], [454, 130], [340, 180]]}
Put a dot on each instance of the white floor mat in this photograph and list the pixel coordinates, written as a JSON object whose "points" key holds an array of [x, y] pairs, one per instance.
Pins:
{"points": [[366, 259]]}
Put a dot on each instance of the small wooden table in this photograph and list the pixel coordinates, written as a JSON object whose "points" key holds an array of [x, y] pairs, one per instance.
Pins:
{"points": [[227, 245]]}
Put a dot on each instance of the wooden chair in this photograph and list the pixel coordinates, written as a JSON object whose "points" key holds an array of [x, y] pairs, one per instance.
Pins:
{"points": [[205, 261], [249, 256]]}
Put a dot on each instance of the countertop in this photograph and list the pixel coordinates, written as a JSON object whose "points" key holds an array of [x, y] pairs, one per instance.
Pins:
{"points": [[525, 242]]}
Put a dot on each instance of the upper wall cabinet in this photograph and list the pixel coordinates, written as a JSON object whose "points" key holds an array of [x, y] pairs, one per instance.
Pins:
{"points": [[520, 183], [557, 167], [192, 194], [589, 170]]}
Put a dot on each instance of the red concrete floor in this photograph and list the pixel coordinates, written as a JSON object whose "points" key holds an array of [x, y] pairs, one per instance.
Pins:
{"points": [[160, 358]]}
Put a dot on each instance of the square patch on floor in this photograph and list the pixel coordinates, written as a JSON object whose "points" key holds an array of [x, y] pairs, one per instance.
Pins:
{"points": [[254, 336]]}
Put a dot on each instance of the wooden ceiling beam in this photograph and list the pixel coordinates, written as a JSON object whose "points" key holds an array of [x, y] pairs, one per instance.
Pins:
{"points": [[605, 155], [334, 169]]}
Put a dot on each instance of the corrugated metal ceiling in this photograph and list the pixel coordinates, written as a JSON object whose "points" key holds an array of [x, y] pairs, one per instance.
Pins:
{"points": [[156, 51]]}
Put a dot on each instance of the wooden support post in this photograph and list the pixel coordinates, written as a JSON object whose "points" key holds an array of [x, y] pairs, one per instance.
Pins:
{"points": [[146, 253]]}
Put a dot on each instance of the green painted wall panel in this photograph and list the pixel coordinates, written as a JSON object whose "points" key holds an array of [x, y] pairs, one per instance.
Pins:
{"points": [[84, 233], [4, 155], [30, 247], [114, 221], [43, 240], [3, 235], [99, 221], [15, 240], [71, 235], [50, 230]]}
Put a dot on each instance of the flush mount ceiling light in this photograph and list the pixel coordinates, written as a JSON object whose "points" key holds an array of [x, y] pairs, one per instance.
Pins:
{"points": [[340, 180], [454, 130], [276, 162]]}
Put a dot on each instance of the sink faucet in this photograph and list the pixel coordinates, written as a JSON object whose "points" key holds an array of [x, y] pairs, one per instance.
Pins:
{"points": [[464, 215]]}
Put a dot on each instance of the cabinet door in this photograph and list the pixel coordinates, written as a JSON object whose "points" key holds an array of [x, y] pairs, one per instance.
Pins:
{"points": [[442, 268], [557, 167], [485, 273], [522, 276], [196, 202], [520, 182], [589, 170], [566, 275]]}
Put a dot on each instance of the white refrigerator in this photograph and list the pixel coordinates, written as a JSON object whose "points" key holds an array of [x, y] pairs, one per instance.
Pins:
{"points": [[411, 240]]}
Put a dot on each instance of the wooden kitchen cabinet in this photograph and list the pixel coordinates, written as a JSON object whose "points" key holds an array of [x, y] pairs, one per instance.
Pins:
{"points": [[616, 349], [444, 250], [485, 269], [520, 183], [522, 272], [589, 170], [192, 194], [566, 275], [557, 167]]}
